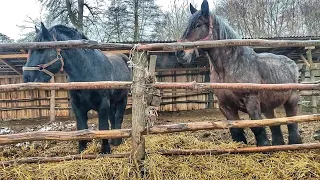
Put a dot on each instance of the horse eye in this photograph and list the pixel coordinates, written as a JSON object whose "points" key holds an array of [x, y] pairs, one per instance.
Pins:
{"points": [[198, 25]]}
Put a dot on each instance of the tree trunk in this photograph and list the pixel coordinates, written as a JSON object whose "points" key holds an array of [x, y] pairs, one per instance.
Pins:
{"points": [[136, 20], [80, 15], [77, 21]]}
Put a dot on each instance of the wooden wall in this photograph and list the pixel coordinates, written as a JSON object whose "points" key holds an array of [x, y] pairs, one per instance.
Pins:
{"points": [[34, 104], [30, 104], [306, 101]]}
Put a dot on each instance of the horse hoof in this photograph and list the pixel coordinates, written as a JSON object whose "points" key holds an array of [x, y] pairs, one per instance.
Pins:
{"points": [[105, 149], [116, 142], [295, 140], [316, 135], [81, 149], [278, 142], [263, 143]]}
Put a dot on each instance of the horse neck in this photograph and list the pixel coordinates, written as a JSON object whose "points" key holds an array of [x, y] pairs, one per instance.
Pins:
{"points": [[77, 64], [227, 59]]}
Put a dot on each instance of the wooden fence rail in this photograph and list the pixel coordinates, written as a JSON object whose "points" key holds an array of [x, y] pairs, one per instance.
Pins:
{"points": [[229, 42], [160, 46], [66, 45], [158, 85], [244, 150], [158, 129]]}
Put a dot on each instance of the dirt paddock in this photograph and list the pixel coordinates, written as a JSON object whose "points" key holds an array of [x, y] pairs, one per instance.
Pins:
{"points": [[279, 165]]}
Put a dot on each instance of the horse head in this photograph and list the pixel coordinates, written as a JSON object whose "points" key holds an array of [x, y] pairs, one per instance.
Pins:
{"points": [[42, 64], [199, 28]]}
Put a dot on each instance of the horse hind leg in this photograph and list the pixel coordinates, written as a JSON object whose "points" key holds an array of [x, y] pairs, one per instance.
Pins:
{"points": [[291, 108], [277, 136], [254, 111], [119, 108], [237, 134], [112, 116]]}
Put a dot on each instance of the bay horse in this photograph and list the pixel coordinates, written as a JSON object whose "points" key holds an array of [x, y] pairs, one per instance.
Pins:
{"points": [[241, 64], [82, 65]]}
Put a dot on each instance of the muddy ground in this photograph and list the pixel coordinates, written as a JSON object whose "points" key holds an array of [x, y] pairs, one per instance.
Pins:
{"points": [[56, 148]]}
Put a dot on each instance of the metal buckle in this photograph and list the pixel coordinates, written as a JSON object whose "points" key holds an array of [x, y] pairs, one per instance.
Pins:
{"points": [[41, 68]]}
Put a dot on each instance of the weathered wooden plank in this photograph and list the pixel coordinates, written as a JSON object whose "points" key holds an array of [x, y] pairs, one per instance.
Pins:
{"points": [[67, 45], [158, 129], [139, 106]]}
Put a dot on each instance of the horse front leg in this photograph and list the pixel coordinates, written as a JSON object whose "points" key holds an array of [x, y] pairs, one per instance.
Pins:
{"points": [[253, 108], [237, 134], [103, 115], [82, 123], [118, 109]]}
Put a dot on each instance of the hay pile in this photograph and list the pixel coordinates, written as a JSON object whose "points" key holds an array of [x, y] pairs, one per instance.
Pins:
{"points": [[280, 165]]}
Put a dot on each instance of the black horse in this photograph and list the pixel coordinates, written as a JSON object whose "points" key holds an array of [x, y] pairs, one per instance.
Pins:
{"points": [[240, 64], [82, 65]]}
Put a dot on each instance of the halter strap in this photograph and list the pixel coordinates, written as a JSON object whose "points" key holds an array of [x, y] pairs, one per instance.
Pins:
{"points": [[210, 35], [208, 38], [42, 67]]}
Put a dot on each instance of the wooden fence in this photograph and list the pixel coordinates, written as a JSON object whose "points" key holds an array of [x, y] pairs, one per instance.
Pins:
{"points": [[142, 84], [35, 104]]}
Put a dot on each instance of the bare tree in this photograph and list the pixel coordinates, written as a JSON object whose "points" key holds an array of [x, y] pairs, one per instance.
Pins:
{"points": [[5, 39], [310, 12], [173, 21], [79, 13], [143, 14], [263, 18], [116, 26]]}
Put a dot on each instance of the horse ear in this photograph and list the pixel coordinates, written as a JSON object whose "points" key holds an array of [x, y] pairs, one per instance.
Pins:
{"points": [[37, 30], [192, 9], [45, 31], [205, 8]]}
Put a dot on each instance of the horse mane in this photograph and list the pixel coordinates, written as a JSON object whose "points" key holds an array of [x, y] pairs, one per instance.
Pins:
{"points": [[61, 32], [224, 31]]}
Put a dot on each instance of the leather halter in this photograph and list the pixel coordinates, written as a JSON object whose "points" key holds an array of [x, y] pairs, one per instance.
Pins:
{"points": [[208, 38], [42, 67], [210, 35]]}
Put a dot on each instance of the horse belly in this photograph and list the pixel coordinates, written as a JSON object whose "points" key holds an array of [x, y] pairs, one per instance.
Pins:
{"points": [[230, 98], [271, 100], [268, 100]]}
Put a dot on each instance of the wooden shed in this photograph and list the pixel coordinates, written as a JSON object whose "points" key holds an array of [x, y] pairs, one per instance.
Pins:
{"points": [[36, 103]]}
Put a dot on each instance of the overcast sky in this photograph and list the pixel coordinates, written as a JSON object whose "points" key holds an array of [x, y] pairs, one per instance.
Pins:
{"points": [[14, 12]]}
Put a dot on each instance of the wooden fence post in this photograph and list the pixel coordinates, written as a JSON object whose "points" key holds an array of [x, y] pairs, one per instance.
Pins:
{"points": [[52, 103], [138, 106], [312, 79], [153, 94]]}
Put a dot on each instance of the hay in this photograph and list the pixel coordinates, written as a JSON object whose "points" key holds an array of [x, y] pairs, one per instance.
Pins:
{"points": [[280, 165]]}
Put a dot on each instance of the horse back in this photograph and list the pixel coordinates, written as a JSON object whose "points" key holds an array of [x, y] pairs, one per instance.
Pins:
{"points": [[121, 70], [277, 69]]}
